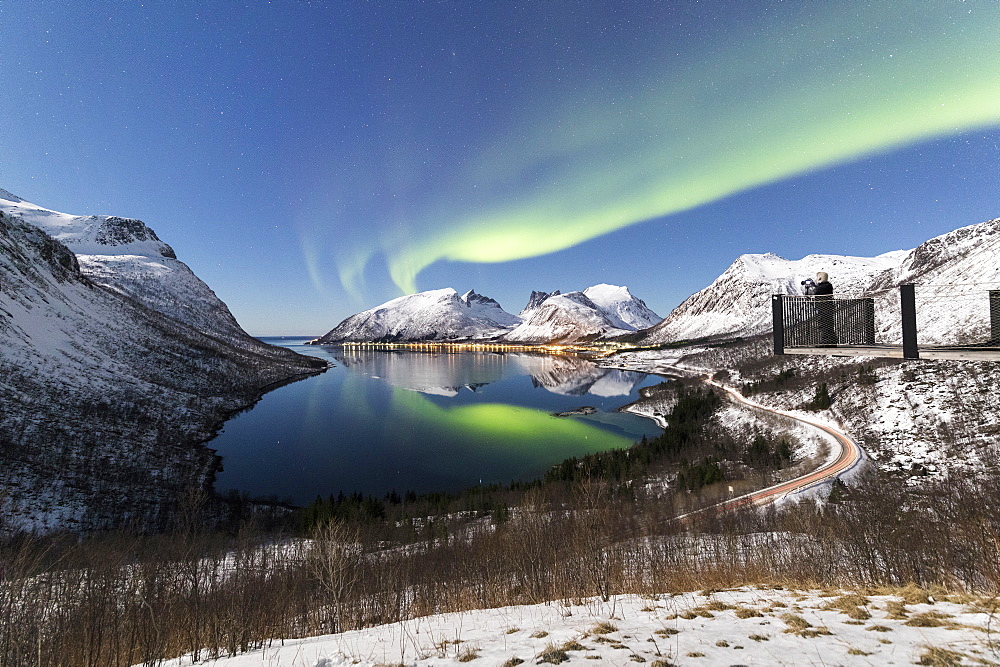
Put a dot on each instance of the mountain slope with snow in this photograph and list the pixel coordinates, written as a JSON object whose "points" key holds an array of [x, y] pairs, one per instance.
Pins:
{"points": [[953, 274], [564, 318], [738, 302], [624, 310], [127, 256], [437, 315], [103, 399], [443, 315], [747, 625]]}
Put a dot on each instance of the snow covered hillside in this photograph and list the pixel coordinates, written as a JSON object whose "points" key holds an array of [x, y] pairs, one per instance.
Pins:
{"points": [[601, 311], [624, 310], [443, 315], [953, 274], [127, 256], [564, 318], [433, 315], [103, 399], [751, 626], [738, 302]]}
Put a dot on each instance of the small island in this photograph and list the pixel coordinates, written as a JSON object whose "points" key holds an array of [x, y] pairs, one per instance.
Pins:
{"points": [[583, 410]]}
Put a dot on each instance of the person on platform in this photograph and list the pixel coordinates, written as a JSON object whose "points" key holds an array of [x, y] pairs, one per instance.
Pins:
{"points": [[824, 309], [823, 285]]}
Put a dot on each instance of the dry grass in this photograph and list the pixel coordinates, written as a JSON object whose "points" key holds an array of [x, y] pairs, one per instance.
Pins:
{"points": [[930, 619], [796, 624], [851, 604], [552, 655], [896, 610], [127, 599], [940, 657], [717, 605], [747, 612], [468, 655], [573, 645], [603, 628]]}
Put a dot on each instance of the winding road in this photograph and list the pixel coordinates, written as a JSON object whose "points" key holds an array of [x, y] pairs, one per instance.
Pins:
{"points": [[848, 458]]}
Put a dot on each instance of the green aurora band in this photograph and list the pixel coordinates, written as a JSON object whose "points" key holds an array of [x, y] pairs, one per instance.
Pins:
{"points": [[797, 93]]}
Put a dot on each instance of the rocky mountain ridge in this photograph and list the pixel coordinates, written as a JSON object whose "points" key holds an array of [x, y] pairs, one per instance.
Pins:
{"points": [[443, 315], [952, 272], [107, 383]]}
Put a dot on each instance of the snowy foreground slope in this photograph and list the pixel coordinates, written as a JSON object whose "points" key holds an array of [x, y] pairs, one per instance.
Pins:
{"points": [[745, 626], [444, 315], [103, 397]]}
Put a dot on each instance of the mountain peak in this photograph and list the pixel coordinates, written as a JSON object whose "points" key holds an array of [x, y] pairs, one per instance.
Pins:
{"points": [[9, 196], [439, 314], [535, 300], [623, 309]]}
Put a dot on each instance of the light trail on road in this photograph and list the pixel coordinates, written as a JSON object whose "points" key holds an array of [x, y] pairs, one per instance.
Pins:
{"points": [[850, 455], [848, 458]]}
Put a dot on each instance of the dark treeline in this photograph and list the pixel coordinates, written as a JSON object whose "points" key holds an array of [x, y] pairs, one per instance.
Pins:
{"points": [[687, 433], [122, 599]]}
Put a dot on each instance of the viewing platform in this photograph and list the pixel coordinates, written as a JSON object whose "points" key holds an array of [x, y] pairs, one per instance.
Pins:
{"points": [[959, 322]]}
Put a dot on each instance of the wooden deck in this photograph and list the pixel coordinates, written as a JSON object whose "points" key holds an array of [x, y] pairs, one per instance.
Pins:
{"points": [[896, 352]]}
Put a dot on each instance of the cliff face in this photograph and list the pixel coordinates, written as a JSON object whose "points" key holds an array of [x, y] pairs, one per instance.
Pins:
{"points": [[104, 398]]}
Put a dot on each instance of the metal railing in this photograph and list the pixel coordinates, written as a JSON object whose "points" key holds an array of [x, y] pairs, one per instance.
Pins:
{"points": [[956, 317]]}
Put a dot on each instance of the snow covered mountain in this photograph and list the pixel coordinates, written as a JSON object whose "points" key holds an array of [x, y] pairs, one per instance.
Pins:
{"points": [[534, 301], [127, 256], [738, 302], [438, 315], [953, 274], [564, 318], [600, 311], [443, 315], [624, 310], [103, 398]]}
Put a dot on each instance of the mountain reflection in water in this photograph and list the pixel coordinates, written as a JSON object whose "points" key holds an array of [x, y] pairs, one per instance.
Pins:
{"points": [[379, 421], [445, 374]]}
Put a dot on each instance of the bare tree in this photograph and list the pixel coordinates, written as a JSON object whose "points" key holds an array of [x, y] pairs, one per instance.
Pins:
{"points": [[335, 560]]}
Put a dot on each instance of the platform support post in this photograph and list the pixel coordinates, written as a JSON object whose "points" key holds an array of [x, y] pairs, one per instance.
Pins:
{"points": [[908, 310], [778, 321], [994, 317]]}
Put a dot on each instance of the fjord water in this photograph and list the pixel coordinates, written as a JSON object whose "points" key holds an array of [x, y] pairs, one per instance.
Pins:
{"points": [[380, 421]]}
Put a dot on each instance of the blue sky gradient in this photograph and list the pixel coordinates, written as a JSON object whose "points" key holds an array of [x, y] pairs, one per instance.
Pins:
{"points": [[312, 159]]}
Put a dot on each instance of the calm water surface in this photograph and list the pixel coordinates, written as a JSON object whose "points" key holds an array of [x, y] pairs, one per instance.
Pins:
{"points": [[396, 420]]}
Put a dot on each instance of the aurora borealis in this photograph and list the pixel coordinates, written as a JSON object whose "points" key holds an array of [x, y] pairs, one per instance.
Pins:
{"points": [[311, 159], [781, 101]]}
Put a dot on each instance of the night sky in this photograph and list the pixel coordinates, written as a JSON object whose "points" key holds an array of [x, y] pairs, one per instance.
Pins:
{"points": [[312, 159]]}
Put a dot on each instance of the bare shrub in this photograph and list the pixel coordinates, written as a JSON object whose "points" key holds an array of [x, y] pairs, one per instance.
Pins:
{"points": [[334, 558]]}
